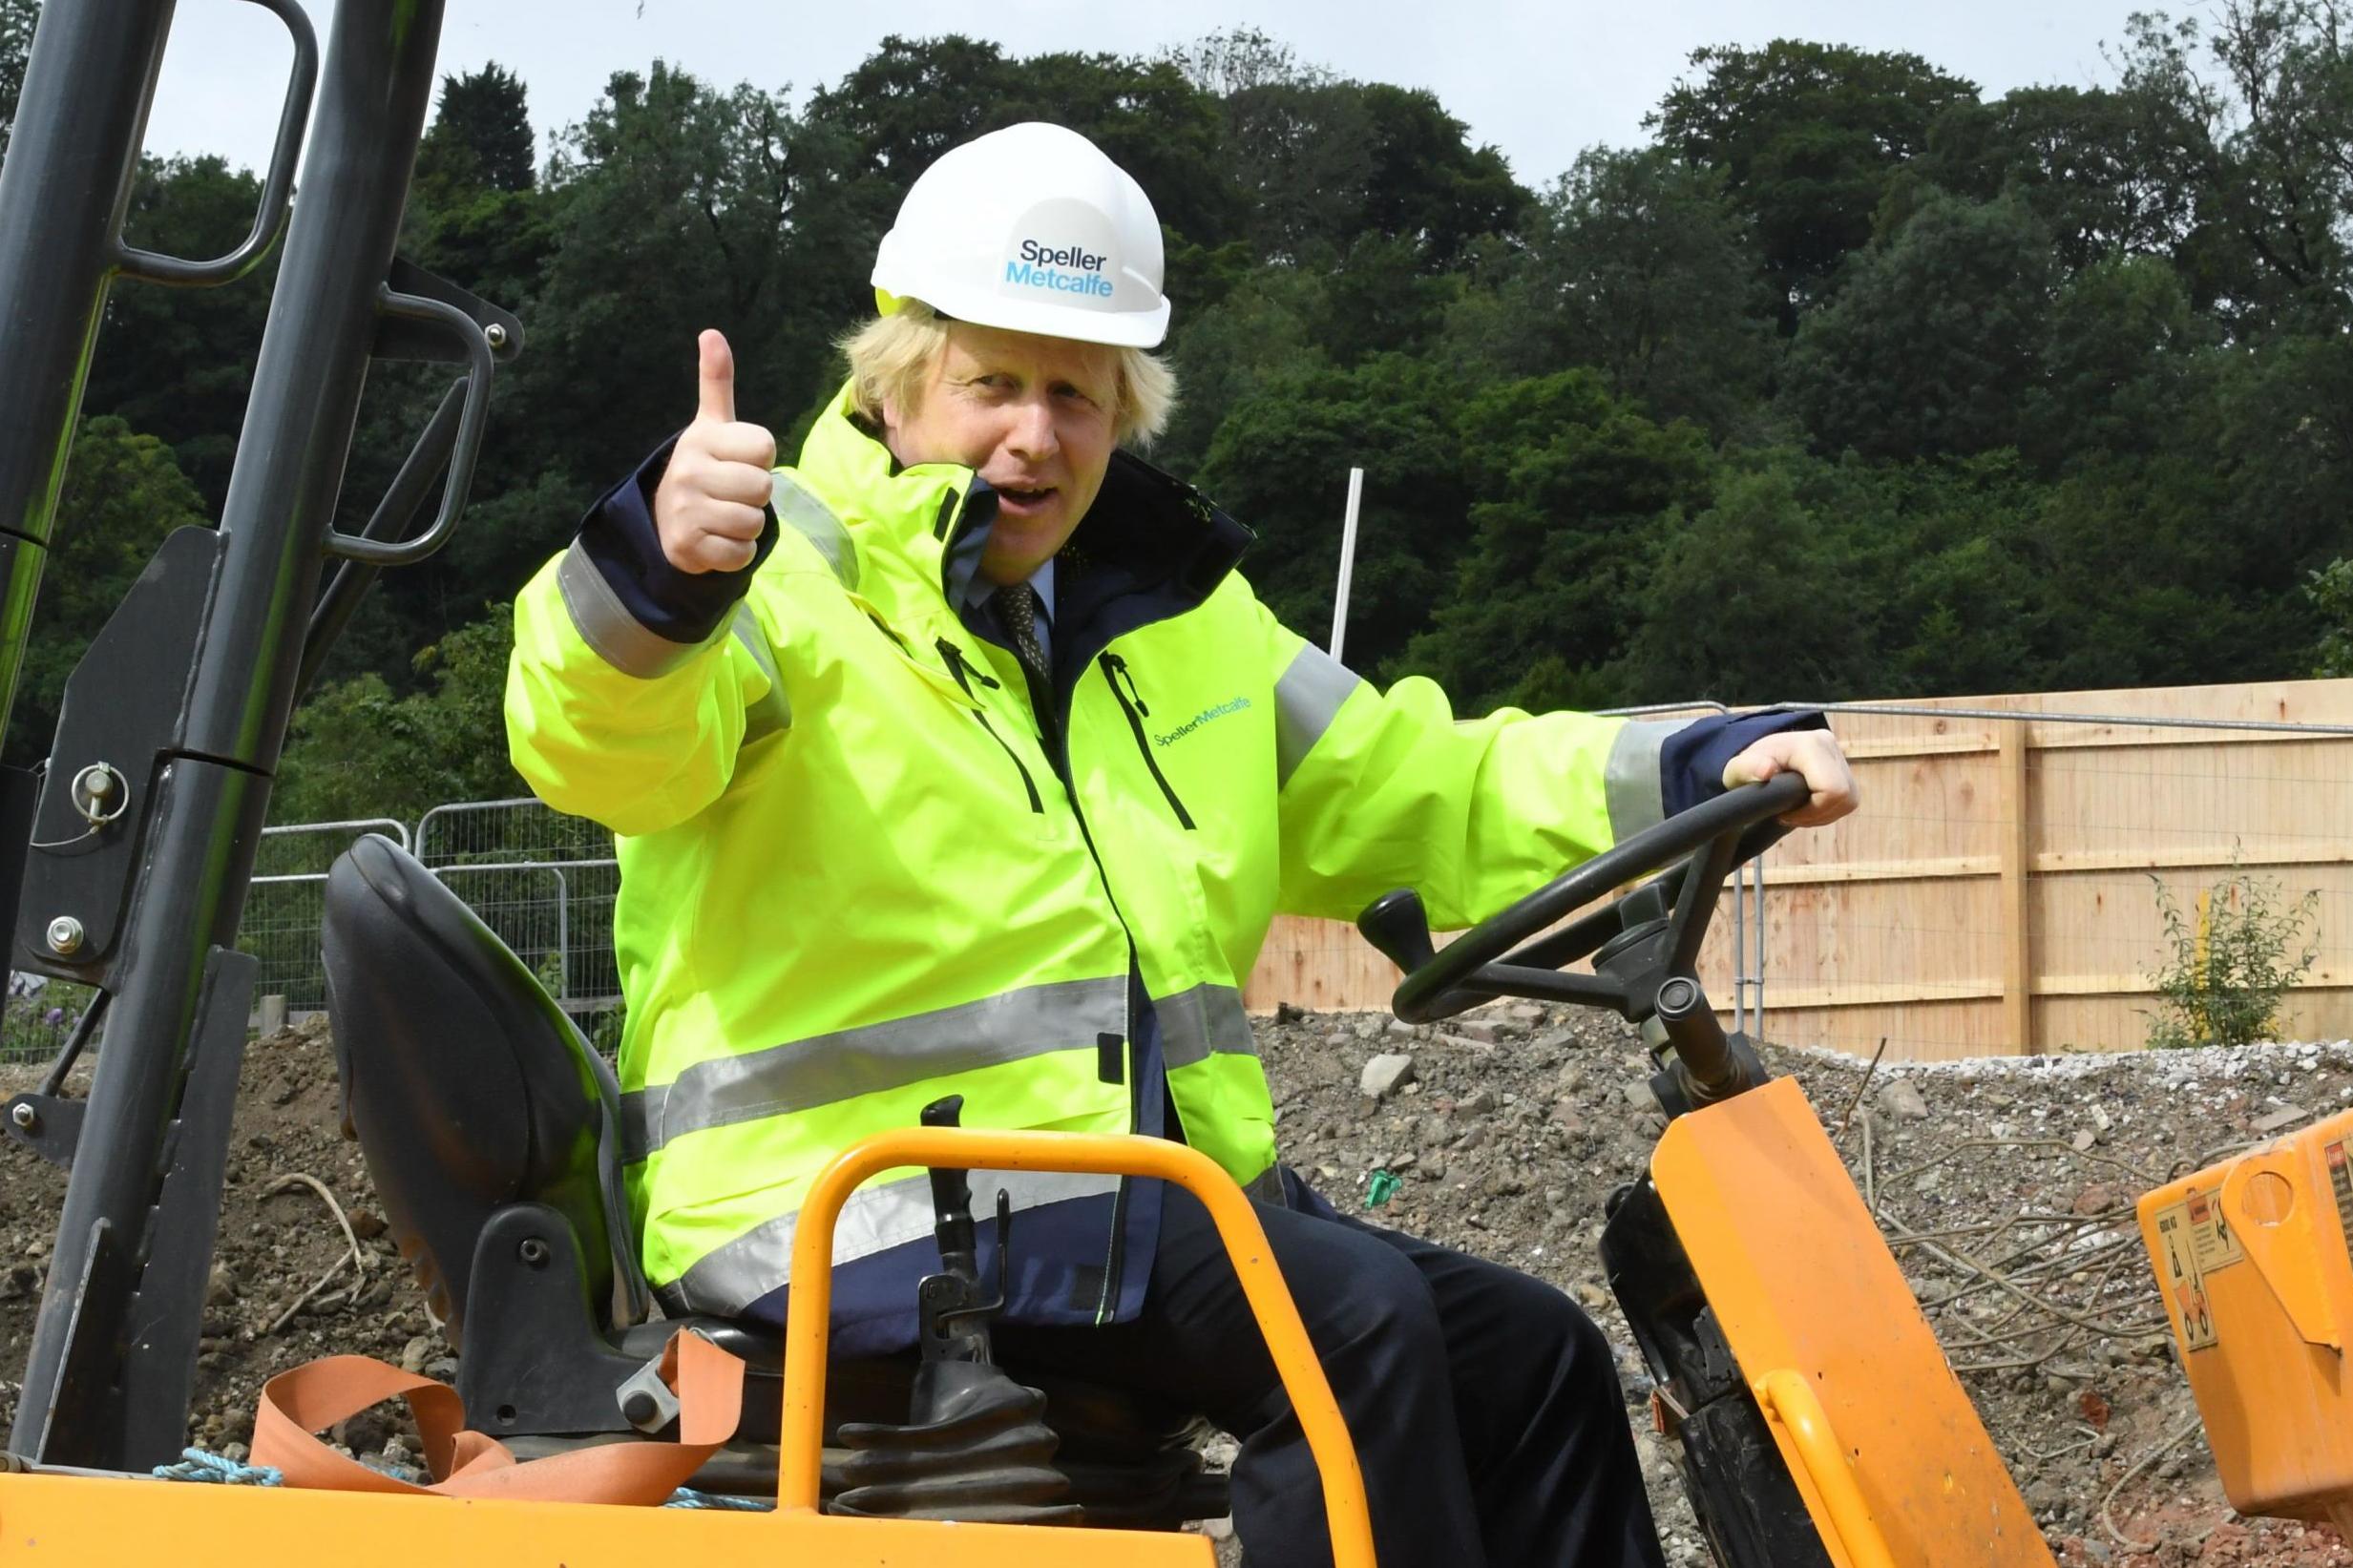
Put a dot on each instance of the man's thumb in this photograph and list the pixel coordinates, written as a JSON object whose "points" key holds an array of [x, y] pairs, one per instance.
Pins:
{"points": [[715, 377]]}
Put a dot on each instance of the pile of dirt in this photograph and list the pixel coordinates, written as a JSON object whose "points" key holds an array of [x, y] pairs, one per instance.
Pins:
{"points": [[1505, 1131], [2007, 1185], [289, 1284]]}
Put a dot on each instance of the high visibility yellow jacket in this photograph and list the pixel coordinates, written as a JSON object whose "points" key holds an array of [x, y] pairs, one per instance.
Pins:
{"points": [[865, 865]]}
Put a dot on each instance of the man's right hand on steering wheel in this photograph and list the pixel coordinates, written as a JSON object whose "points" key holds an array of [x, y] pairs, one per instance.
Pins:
{"points": [[1815, 755]]}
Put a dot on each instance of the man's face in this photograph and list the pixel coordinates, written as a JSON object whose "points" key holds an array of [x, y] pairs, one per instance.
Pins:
{"points": [[1031, 415]]}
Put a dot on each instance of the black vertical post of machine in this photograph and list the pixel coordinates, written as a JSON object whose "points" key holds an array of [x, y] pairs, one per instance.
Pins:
{"points": [[63, 188], [171, 729]]}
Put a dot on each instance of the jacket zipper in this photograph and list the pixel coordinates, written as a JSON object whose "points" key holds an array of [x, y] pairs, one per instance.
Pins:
{"points": [[957, 668], [1056, 745], [1131, 704], [1054, 739]]}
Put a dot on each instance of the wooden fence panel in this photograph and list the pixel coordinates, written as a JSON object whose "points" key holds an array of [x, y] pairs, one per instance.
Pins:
{"points": [[1995, 893]]}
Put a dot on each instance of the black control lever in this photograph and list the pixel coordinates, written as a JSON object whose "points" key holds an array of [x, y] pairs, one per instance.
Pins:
{"points": [[952, 1314], [975, 1445]]}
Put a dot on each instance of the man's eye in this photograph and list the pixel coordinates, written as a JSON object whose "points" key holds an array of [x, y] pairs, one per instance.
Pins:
{"points": [[1074, 394]]}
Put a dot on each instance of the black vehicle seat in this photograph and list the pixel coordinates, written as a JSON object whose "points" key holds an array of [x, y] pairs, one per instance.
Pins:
{"points": [[468, 1088]]}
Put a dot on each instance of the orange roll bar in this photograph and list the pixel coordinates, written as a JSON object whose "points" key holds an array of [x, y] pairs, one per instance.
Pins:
{"points": [[809, 1319]]}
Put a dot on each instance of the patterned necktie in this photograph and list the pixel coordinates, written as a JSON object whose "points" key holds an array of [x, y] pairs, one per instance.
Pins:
{"points": [[1016, 606]]}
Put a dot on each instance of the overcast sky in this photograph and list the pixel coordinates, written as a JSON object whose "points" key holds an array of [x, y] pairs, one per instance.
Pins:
{"points": [[1540, 80]]}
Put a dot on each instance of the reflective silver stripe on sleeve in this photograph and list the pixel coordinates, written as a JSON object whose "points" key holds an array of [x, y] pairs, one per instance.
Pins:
{"points": [[774, 711], [1207, 1019], [1306, 699], [605, 624], [1630, 781], [875, 1220], [1064, 1016], [800, 511]]}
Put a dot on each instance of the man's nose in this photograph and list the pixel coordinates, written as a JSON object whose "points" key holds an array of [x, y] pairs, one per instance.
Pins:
{"points": [[1030, 436]]}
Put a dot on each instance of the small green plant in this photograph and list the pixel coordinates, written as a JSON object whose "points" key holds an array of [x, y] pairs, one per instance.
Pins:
{"points": [[2330, 593], [2230, 957], [605, 1037], [551, 972]]}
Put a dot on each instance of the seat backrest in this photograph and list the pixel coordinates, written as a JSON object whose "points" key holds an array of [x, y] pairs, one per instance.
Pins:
{"points": [[468, 1087]]}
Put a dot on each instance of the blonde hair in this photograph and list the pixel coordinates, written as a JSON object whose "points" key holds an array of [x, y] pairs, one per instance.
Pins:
{"points": [[891, 357]]}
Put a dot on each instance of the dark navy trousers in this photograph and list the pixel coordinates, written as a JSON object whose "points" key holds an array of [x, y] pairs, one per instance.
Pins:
{"points": [[1485, 1405]]}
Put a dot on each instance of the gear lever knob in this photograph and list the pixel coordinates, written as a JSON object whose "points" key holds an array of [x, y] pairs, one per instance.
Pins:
{"points": [[1399, 927]]}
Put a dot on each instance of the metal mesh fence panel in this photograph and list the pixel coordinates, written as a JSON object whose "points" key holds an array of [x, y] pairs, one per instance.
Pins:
{"points": [[543, 881], [283, 911], [36, 1017]]}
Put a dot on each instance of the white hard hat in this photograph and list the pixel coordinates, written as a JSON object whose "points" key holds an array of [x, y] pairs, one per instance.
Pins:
{"points": [[1032, 229]]}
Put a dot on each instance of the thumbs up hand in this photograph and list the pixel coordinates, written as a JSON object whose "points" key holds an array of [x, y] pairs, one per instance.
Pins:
{"points": [[707, 509]]}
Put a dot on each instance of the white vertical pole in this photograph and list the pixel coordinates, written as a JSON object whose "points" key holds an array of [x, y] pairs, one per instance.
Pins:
{"points": [[1348, 560]]}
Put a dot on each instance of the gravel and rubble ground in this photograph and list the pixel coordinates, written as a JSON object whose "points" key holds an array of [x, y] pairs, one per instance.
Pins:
{"points": [[1501, 1133]]}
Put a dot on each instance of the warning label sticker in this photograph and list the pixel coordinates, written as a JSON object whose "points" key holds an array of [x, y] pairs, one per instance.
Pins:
{"points": [[2184, 1278], [2217, 1245]]}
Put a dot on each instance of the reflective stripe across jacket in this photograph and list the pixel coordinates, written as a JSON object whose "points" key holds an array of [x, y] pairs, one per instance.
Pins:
{"points": [[865, 865]]}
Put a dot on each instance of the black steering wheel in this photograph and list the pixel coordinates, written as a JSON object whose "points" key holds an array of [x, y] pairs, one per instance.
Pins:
{"points": [[1644, 945]]}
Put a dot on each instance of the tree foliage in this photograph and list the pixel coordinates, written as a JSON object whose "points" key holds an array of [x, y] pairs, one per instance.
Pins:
{"points": [[1808, 137], [1935, 341], [123, 494], [1855, 381]]}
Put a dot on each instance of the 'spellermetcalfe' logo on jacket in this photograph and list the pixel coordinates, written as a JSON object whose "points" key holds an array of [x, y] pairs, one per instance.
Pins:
{"points": [[1171, 737]]}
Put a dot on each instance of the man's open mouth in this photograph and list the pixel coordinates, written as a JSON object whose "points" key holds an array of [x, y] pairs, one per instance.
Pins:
{"points": [[1023, 495]]}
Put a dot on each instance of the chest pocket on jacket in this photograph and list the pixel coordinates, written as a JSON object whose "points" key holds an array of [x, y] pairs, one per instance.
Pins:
{"points": [[1131, 704], [939, 678]]}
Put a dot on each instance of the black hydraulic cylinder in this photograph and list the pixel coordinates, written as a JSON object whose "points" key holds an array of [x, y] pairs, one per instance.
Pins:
{"points": [[63, 188], [213, 793]]}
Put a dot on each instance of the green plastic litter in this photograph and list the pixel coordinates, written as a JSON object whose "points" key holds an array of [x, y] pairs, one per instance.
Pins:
{"points": [[1380, 1188]]}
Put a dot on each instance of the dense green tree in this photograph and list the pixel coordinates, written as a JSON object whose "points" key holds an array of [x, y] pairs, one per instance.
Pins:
{"points": [[1428, 184], [1808, 137], [2330, 593], [2118, 365], [2065, 397], [1263, 326], [670, 180], [2258, 97], [481, 133], [1637, 264], [2108, 173], [1941, 569], [359, 749], [1742, 606], [1576, 489], [1935, 339], [912, 99], [123, 494], [1280, 463]]}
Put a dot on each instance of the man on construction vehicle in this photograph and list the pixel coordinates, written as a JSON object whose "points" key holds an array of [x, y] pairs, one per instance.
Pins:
{"points": [[958, 757]]}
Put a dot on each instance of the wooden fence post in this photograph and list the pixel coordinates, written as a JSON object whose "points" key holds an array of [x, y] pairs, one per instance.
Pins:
{"points": [[2017, 865]]}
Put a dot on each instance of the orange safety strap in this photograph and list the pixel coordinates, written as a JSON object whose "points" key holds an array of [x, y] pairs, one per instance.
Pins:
{"points": [[298, 1404]]}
